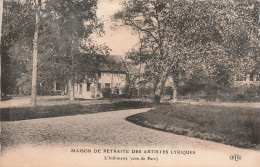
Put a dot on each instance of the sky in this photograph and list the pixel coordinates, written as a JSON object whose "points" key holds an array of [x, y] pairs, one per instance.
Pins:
{"points": [[119, 40]]}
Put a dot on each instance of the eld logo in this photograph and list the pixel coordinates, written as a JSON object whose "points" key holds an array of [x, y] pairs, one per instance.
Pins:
{"points": [[235, 157]]}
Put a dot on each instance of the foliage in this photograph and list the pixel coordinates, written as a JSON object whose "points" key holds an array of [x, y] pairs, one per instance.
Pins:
{"points": [[73, 22], [106, 92], [178, 36], [133, 92], [125, 92], [65, 51], [16, 47], [231, 94], [149, 19], [115, 92]]}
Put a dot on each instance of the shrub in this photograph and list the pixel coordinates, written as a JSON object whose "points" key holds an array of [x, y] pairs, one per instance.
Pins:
{"points": [[106, 92], [115, 92], [246, 97], [125, 92], [133, 92], [229, 95]]}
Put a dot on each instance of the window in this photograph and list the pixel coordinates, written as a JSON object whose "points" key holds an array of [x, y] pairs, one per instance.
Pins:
{"points": [[99, 86], [251, 77], [99, 74], [88, 86], [107, 85], [80, 89], [58, 86], [258, 77]]}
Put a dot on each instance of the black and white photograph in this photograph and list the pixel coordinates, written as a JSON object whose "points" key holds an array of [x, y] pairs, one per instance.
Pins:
{"points": [[143, 83]]}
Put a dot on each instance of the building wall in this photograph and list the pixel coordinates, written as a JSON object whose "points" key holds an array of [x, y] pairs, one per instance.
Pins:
{"points": [[114, 79], [93, 90], [247, 80]]}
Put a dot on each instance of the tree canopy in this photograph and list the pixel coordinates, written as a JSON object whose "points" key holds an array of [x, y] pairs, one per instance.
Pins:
{"points": [[65, 48], [175, 35]]}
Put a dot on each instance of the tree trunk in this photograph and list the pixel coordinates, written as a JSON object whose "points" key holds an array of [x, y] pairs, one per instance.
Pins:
{"points": [[35, 55], [71, 90], [1, 20], [174, 93], [112, 82], [159, 85], [158, 90]]}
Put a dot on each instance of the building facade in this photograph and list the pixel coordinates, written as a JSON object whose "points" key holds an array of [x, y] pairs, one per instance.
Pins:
{"points": [[247, 80], [112, 74], [107, 79]]}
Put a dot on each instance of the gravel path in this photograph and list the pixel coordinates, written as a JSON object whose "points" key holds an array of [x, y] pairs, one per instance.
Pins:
{"points": [[109, 129]]}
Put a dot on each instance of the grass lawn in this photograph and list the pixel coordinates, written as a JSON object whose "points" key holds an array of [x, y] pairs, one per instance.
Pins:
{"points": [[24, 113], [235, 126]]}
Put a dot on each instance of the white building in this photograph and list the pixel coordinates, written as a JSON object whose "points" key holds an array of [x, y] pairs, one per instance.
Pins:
{"points": [[113, 75], [247, 80]]}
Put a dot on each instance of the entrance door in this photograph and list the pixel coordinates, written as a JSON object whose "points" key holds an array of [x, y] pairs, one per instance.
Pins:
{"points": [[93, 92], [80, 89]]}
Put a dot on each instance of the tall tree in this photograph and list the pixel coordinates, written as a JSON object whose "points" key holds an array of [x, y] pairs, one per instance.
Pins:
{"points": [[37, 6], [150, 18], [1, 18], [223, 37], [17, 36], [55, 29], [178, 33], [74, 22]]}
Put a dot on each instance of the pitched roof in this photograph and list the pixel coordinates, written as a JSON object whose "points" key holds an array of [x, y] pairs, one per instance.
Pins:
{"points": [[113, 63]]}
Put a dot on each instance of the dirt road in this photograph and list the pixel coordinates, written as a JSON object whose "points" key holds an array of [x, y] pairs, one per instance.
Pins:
{"points": [[53, 138]]}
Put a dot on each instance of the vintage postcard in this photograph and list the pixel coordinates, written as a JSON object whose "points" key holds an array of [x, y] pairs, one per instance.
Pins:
{"points": [[96, 83]]}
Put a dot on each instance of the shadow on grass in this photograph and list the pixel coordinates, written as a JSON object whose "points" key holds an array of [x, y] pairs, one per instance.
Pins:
{"points": [[25, 113]]}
